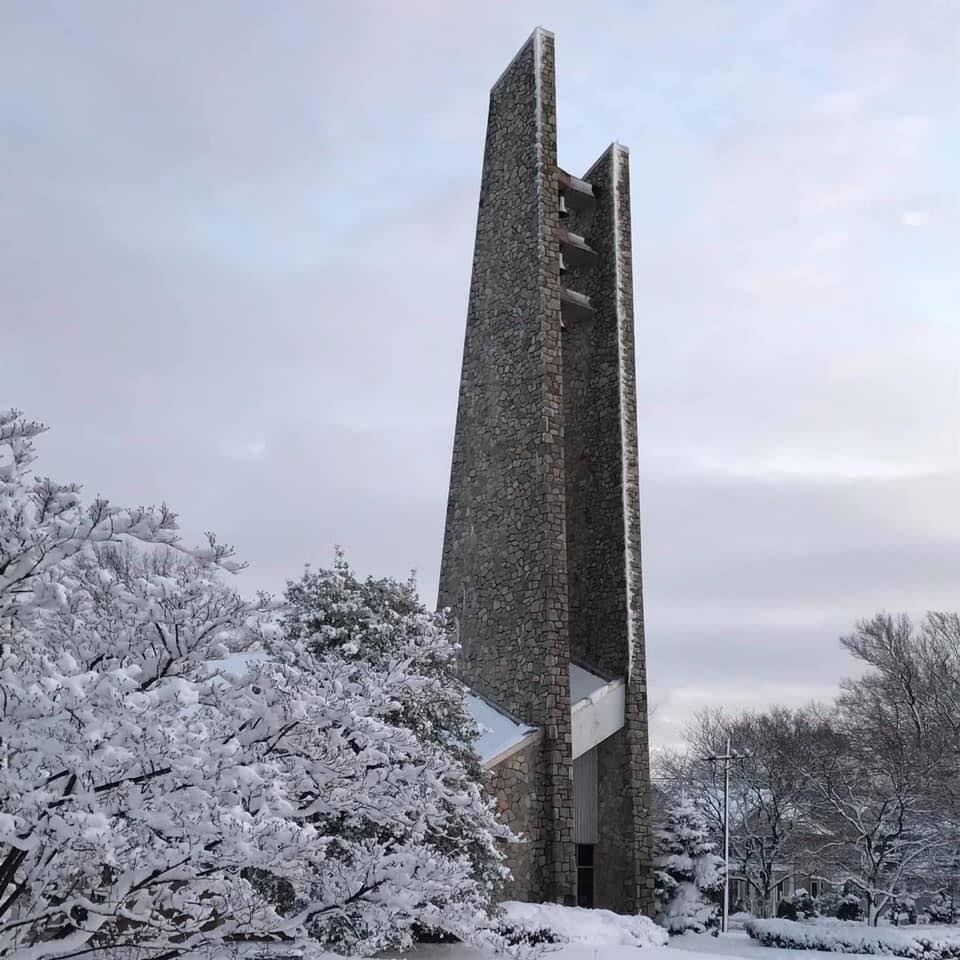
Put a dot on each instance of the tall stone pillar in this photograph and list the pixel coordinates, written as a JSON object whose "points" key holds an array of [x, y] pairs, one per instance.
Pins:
{"points": [[541, 555], [603, 521], [504, 569]]}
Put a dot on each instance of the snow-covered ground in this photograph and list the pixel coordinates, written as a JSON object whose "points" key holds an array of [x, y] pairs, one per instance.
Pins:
{"points": [[603, 935], [736, 943], [693, 947]]}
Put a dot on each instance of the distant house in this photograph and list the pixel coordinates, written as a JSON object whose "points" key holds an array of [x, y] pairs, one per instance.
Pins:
{"points": [[788, 878]]}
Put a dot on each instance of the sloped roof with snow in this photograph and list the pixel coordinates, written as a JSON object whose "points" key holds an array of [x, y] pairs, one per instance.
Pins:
{"points": [[500, 734], [597, 712]]}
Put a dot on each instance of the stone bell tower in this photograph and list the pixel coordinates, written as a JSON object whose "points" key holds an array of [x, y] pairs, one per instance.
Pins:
{"points": [[541, 555]]}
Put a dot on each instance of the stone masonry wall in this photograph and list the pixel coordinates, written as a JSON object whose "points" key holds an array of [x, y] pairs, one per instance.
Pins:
{"points": [[503, 571], [593, 453], [603, 526], [639, 888], [514, 783]]}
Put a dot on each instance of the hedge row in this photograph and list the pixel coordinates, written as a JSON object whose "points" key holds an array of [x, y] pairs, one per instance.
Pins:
{"points": [[843, 938]]}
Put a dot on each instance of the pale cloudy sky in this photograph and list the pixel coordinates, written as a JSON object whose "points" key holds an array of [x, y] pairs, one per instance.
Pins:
{"points": [[235, 252]]}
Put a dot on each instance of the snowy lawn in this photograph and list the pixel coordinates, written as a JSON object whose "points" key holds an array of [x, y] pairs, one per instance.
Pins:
{"points": [[602, 935], [559, 951], [736, 943], [693, 947]]}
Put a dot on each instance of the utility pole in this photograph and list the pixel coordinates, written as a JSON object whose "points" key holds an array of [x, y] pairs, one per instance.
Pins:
{"points": [[726, 758]]}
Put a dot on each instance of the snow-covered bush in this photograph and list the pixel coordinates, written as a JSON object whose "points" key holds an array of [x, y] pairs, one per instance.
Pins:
{"points": [[850, 907], [518, 935], [688, 873], [940, 909], [806, 906], [827, 904], [903, 912], [786, 909], [148, 798], [799, 906], [837, 938], [581, 925]]}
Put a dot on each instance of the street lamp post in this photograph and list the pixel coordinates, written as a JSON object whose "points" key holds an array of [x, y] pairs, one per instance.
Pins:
{"points": [[726, 758]]}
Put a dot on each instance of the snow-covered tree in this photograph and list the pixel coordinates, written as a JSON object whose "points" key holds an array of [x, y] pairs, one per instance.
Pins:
{"points": [[688, 874], [767, 790], [147, 791], [908, 701], [44, 523], [874, 802], [370, 625], [370, 622], [859, 788]]}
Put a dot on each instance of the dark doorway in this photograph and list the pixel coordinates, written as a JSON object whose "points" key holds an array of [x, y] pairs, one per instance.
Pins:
{"points": [[585, 874]]}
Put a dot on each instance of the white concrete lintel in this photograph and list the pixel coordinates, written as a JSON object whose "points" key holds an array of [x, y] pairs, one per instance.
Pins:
{"points": [[597, 717]]}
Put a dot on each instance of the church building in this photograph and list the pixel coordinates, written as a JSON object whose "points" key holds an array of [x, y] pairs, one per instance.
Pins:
{"points": [[541, 554]]}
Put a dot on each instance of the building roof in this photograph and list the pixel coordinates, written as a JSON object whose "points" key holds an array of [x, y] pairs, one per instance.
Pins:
{"points": [[596, 707], [501, 735]]}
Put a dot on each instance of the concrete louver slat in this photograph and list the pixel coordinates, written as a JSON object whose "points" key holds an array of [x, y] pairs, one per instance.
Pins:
{"points": [[576, 251], [577, 194], [574, 305]]}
